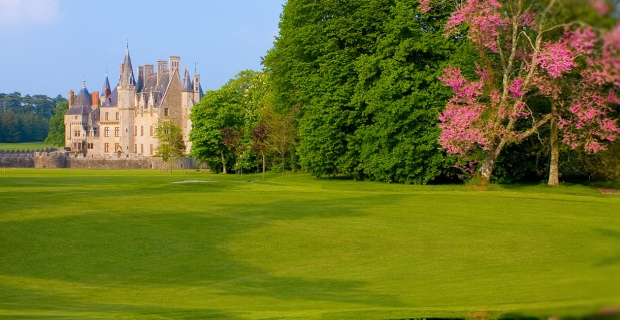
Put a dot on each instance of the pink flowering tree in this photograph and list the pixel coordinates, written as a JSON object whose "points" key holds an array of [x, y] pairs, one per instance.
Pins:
{"points": [[523, 53]]}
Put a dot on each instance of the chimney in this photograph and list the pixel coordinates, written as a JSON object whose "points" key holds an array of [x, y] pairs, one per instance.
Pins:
{"points": [[175, 65], [71, 97], [95, 96], [162, 66], [148, 71]]}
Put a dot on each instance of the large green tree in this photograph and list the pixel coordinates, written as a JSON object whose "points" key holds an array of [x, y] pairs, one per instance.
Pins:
{"points": [[220, 115], [363, 75], [56, 134]]}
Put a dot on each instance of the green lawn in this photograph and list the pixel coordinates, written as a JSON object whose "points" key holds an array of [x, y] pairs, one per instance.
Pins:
{"points": [[77, 244], [25, 146]]}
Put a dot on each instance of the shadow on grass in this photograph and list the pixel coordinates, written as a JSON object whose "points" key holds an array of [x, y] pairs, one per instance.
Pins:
{"points": [[164, 247]]}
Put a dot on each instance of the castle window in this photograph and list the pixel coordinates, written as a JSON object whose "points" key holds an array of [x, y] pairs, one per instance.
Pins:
{"points": [[76, 133], [106, 147], [142, 148], [75, 117], [151, 129], [117, 146], [151, 149], [106, 131], [135, 148], [141, 131], [94, 132], [117, 116], [135, 131], [165, 112], [117, 132], [106, 117]]}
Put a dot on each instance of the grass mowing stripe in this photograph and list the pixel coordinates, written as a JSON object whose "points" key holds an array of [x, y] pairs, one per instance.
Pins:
{"points": [[131, 244]]}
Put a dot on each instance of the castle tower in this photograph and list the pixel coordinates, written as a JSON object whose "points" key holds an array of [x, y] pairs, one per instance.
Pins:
{"points": [[187, 102], [197, 88], [127, 89]]}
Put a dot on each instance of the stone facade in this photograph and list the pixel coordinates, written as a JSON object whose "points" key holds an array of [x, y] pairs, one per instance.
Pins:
{"points": [[122, 121]]}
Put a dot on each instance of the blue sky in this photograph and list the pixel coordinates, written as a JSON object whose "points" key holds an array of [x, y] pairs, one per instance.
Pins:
{"points": [[47, 46]]}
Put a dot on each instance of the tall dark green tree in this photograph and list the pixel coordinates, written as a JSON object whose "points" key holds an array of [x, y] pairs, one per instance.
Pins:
{"points": [[363, 75], [56, 134], [9, 125]]}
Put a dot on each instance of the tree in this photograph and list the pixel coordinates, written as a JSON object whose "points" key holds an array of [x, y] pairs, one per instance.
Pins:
{"points": [[56, 134], [232, 107], [362, 78], [232, 140], [259, 145], [9, 125], [521, 55], [280, 134], [171, 146]]}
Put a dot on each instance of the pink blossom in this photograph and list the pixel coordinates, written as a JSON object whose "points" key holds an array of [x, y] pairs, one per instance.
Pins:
{"points": [[600, 6], [556, 58], [581, 40], [515, 88], [425, 5], [483, 18], [528, 19]]}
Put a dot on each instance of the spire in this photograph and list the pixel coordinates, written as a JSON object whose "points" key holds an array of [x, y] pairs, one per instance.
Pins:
{"points": [[187, 83], [127, 77], [83, 82], [106, 88]]}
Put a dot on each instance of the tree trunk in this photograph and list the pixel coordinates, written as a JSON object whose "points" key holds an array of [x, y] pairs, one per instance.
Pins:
{"points": [[223, 162], [170, 167], [263, 154], [293, 162], [486, 170], [554, 176], [282, 165]]}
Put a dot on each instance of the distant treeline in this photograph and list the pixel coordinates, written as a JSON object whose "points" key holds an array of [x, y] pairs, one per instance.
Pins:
{"points": [[25, 118]]}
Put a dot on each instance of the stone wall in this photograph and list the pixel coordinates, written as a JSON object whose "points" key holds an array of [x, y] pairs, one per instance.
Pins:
{"points": [[20, 158], [50, 158]]}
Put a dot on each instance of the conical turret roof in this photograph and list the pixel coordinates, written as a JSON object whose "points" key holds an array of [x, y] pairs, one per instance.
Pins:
{"points": [[106, 87], [187, 82], [127, 77]]}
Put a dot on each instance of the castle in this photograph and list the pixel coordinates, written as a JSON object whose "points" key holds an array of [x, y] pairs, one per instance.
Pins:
{"points": [[122, 121]]}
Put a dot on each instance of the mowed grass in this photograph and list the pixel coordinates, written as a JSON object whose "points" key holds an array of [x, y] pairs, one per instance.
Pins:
{"points": [[25, 146], [78, 244]]}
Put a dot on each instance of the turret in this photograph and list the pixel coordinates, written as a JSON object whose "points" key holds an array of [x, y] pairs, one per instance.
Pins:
{"points": [[187, 82], [197, 88], [127, 77], [105, 93], [127, 104]]}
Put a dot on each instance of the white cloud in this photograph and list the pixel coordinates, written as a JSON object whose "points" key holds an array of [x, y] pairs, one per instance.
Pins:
{"points": [[28, 11]]}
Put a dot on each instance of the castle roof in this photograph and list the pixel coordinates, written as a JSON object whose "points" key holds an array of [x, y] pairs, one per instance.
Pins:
{"points": [[112, 99], [127, 77], [82, 103], [106, 87], [187, 82]]}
